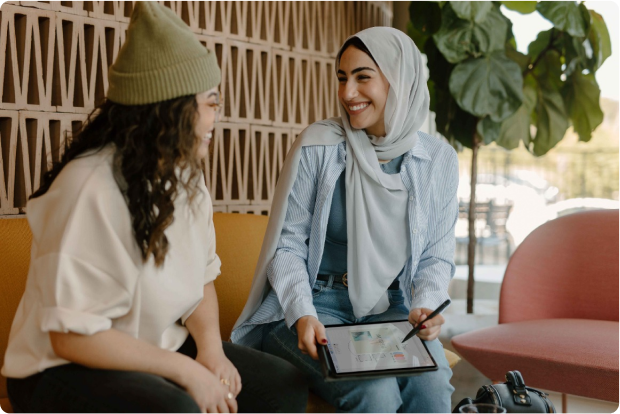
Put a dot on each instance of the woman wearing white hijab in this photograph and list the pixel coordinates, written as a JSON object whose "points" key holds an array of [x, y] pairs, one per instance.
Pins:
{"points": [[361, 228]]}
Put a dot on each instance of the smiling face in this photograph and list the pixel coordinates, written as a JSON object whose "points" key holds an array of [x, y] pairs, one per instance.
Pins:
{"points": [[363, 91], [207, 112]]}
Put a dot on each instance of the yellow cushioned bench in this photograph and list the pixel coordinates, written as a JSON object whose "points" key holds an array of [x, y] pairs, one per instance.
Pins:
{"points": [[239, 239]]}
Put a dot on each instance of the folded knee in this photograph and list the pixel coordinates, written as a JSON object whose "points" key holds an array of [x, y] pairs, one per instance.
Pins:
{"points": [[372, 398]]}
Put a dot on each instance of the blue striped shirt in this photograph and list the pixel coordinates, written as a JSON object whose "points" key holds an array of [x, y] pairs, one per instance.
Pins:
{"points": [[429, 172]]}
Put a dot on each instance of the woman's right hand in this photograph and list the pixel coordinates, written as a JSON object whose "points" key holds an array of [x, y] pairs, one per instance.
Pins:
{"points": [[207, 390], [310, 332]]}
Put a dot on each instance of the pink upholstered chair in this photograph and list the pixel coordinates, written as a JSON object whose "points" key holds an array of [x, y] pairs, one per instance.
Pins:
{"points": [[558, 310]]}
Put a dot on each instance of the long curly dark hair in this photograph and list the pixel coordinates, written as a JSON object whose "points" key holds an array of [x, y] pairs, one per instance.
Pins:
{"points": [[151, 142]]}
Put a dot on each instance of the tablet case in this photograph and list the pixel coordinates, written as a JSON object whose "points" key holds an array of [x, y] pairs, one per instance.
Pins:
{"points": [[330, 374]]}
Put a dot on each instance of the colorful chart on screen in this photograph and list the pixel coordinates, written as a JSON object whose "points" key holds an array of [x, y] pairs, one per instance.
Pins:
{"points": [[374, 349]]}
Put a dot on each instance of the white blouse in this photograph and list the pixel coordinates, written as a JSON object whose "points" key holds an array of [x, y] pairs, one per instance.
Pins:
{"points": [[86, 272]]}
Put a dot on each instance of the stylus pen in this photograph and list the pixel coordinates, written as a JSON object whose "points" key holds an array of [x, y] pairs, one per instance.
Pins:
{"points": [[431, 316]]}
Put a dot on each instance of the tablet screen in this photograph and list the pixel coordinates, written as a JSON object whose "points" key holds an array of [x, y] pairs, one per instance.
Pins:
{"points": [[375, 347]]}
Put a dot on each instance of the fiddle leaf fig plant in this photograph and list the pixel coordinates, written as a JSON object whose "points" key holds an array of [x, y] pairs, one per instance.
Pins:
{"points": [[483, 90]]}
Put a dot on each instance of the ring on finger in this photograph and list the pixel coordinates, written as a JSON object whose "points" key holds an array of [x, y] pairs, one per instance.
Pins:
{"points": [[230, 396], [225, 381]]}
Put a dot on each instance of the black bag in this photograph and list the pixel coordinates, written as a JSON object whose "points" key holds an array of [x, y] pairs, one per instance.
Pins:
{"points": [[513, 395]]}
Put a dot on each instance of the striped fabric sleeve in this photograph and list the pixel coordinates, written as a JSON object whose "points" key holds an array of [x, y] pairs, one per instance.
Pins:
{"points": [[436, 267], [288, 270]]}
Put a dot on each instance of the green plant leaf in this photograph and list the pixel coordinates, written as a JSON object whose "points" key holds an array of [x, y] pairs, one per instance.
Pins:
{"points": [[565, 15], [517, 127], [454, 38], [574, 54], [425, 16], [442, 103], [475, 11], [519, 58], [599, 41], [490, 35], [582, 98], [585, 15], [548, 39], [550, 118], [442, 122], [431, 92], [511, 43], [523, 7], [417, 36], [462, 126], [539, 44], [458, 39], [488, 129], [445, 110], [548, 70], [491, 85], [546, 61], [439, 68], [451, 121]]}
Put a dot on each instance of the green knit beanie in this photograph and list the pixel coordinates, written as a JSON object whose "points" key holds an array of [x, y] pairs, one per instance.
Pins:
{"points": [[161, 59]]}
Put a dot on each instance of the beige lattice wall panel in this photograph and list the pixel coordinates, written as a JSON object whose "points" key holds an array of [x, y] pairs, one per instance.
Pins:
{"points": [[245, 162], [31, 140], [55, 61], [8, 136], [278, 76]]}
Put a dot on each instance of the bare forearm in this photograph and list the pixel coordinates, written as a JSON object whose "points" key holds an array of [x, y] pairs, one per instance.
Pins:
{"points": [[116, 350], [204, 323]]}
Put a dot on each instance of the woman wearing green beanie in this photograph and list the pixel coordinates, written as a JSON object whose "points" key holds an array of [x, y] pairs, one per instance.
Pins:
{"points": [[120, 313]]}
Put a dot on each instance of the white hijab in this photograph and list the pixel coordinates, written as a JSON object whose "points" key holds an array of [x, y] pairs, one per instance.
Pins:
{"points": [[377, 215]]}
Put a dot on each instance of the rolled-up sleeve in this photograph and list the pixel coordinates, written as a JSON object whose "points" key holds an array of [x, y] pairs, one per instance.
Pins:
{"points": [[87, 265], [436, 267], [79, 297]]}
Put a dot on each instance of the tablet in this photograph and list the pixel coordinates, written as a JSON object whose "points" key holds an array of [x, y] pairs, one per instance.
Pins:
{"points": [[372, 350]]}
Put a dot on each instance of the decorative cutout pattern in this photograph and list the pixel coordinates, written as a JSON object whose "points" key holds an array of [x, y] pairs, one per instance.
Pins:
{"points": [[277, 61]]}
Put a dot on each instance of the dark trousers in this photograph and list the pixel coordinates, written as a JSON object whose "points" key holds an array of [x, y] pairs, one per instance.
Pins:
{"points": [[269, 384]]}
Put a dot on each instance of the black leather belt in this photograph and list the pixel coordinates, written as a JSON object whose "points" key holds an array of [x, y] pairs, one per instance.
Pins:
{"points": [[342, 279]]}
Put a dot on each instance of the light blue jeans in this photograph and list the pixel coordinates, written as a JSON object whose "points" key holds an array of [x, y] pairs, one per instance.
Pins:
{"points": [[428, 392]]}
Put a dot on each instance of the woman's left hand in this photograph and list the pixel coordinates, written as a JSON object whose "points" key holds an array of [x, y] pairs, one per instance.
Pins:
{"points": [[431, 328], [216, 362]]}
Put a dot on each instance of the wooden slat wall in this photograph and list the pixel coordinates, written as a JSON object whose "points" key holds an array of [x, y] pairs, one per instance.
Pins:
{"points": [[277, 61]]}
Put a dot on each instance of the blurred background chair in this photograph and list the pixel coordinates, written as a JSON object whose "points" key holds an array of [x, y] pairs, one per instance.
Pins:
{"points": [[558, 310], [491, 234]]}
